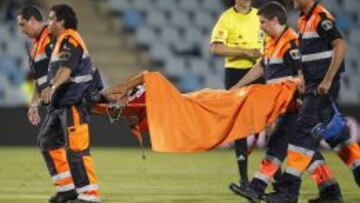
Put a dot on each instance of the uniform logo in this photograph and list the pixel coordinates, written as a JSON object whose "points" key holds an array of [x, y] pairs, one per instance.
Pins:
{"points": [[327, 25], [241, 158], [295, 54], [64, 56], [220, 34]]}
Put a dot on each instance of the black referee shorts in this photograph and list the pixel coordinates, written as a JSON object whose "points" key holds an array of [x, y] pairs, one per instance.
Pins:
{"points": [[233, 75]]}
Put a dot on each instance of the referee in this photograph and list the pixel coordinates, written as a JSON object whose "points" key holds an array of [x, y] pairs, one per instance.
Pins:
{"points": [[237, 37]]}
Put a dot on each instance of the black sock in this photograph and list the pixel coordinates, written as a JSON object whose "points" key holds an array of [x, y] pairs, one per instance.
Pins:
{"points": [[241, 156], [277, 175]]}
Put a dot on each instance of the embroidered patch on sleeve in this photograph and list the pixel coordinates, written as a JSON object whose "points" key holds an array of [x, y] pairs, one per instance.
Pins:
{"points": [[327, 25], [295, 54]]}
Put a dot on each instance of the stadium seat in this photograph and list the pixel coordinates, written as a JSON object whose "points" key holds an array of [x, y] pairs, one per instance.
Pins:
{"points": [[199, 66], [17, 48], [142, 5], [212, 6], [161, 52], [132, 19], [345, 19], [4, 86], [195, 36], [156, 19], [175, 66], [204, 20], [166, 5], [180, 19], [4, 33], [331, 4], [187, 5], [217, 66], [354, 37], [145, 35], [352, 58], [183, 48], [169, 35], [116, 6], [352, 5], [214, 81]]}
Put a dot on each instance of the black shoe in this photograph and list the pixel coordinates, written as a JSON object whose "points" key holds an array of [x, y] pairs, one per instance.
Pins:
{"points": [[356, 173], [276, 197], [234, 187], [80, 201], [63, 197], [247, 192], [330, 194]]}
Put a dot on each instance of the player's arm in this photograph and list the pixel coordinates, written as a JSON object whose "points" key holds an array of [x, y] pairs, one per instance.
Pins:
{"points": [[135, 80], [254, 73], [329, 32], [119, 91]]}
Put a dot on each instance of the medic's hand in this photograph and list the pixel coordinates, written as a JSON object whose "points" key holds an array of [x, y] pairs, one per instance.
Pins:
{"points": [[324, 87], [33, 115], [47, 94]]}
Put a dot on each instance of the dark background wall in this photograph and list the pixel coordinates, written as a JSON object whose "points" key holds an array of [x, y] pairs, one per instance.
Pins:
{"points": [[16, 130]]}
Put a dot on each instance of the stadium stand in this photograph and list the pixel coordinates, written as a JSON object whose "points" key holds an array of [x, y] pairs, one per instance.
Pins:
{"points": [[177, 34], [13, 58]]}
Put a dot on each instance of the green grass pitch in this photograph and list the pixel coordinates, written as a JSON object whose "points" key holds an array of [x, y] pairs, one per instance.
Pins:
{"points": [[161, 178]]}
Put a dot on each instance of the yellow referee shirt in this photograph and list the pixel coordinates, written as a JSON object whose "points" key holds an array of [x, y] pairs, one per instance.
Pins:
{"points": [[236, 29]]}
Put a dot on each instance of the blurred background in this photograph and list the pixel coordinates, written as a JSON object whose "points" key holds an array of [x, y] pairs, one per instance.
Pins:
{"points": [[127, 36]]}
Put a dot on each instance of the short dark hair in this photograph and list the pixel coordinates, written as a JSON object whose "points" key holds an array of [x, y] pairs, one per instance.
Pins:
{"points": [[31, 11], [273, 9], [66, 13]]}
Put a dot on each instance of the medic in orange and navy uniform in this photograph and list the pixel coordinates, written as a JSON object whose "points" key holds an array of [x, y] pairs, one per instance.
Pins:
{"points": [[322, 48], [65, 131]]}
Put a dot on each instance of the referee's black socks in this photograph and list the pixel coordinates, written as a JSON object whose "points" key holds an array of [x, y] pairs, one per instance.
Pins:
{"points": [[241, 151]]}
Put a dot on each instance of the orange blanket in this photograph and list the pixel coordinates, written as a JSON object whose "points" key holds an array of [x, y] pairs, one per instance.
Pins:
{"points": [[205, 119]]}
